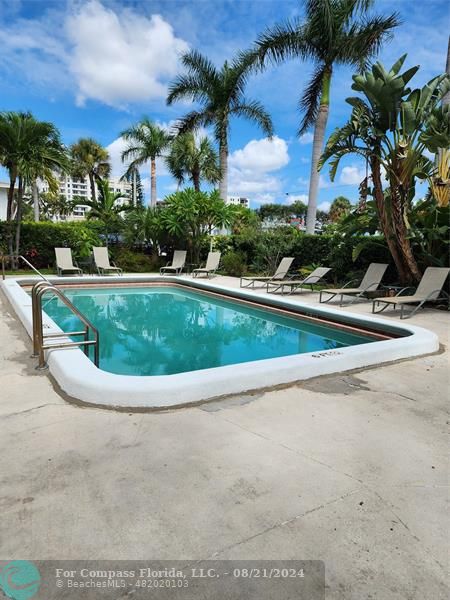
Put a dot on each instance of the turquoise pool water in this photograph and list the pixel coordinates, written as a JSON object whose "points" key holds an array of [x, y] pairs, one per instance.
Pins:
{"points": [[164, 330]]}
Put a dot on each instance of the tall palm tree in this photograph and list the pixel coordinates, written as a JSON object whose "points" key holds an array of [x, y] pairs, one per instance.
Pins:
{"points": [[334, 32], [194, 160], [28, 149], [146, 141], [90, 159], [220, 93]]}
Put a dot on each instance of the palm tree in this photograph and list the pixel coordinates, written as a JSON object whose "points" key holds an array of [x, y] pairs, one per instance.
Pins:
{"points": [[335, 32], [90, 159], [108, 207], [194, 160], [29, 149], [146, 141], [133, 176], [220, 93], [340, 207]]}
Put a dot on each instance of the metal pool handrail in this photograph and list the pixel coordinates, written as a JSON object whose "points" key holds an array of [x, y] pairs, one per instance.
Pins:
{"points": [[6, 257], [39, 337]]}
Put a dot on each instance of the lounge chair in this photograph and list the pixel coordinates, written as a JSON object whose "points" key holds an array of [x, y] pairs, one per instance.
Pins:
{"points": [[212, 264], [280, 273], [295, 284], [101, 261], [64, 262], [178, 261], [428, 290], [369, 283]]}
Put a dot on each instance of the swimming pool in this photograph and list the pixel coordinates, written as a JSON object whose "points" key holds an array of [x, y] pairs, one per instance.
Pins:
{"points": [[163, 330], [174, 341]]}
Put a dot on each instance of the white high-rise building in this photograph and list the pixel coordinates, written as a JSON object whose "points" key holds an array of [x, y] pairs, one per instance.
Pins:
{"points": [[76, 188], [238, 200]]}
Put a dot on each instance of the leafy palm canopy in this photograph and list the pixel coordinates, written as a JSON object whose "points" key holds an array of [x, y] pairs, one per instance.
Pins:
{"points": [[332, 32], [194, 160], [90, 159], [392, 127], [29, 149], [220, 96], [108, 207], [146, 142]]}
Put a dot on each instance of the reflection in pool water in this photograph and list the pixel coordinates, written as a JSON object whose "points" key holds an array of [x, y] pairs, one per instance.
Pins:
{"points": [[164, 330]]}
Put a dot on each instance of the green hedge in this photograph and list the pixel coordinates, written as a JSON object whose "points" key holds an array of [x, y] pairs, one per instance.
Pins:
{"points": [[263, 250], [38, 240]]}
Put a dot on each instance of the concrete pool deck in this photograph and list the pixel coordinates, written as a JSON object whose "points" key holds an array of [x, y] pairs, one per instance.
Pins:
{"points": [[350, 469]]}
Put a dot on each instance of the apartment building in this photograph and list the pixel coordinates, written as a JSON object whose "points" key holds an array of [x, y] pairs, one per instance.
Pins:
{"points": [[75, 189], [238, 200]]}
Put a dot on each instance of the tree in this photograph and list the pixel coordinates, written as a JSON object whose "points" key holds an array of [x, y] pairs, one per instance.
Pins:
{"points": [[90, 159], [108, 207], [133, 176], [145, 226], [193, 160], [146, 141], [193, 215], [28, 149], [391, 127], [340, 207], [220, 93], [335, 32]]}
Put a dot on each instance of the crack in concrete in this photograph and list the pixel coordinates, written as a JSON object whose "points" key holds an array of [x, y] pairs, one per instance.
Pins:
{"points": [[22, 412], [282, 524]]}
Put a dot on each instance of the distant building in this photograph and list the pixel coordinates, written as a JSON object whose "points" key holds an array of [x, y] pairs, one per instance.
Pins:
{"points": [[238, 200], [76, 188], [3, 199]]}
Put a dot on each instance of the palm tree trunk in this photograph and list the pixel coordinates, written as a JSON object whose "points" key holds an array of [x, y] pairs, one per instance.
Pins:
{"points": [[196, 180], [35, 193], [319, 136], [153, 194], [12, 183], [92, 184], [223, 163], [18, 223]]}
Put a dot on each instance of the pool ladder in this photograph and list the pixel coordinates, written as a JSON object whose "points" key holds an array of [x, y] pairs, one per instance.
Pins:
{"points": [[39, 337]]}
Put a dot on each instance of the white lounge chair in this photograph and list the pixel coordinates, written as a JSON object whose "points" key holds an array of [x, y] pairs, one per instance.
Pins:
{"points": [[102, 264], [428, 290], [295, 284], [212, 264], [370, 283], [280, 273], [64, 262], [177, 265]]}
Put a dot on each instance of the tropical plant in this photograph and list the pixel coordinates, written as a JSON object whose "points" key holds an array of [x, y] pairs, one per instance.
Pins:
{"points": [[90, 159], [340, 207], [335, 32], [220, 93], [28, 149], [108, 208], [55, 206], [193, 215], [193, 159], [144, 226], [389, 129], [146, 142]]}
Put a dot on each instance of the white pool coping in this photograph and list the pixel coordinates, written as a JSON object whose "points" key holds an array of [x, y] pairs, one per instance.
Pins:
{"points": [[81, 379]]}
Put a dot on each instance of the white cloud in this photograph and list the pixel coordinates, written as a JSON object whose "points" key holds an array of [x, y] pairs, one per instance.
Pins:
{"points": [[324, 206], [351, 176], [306, 138], [251, 168], [118, 168], [121, 58]]}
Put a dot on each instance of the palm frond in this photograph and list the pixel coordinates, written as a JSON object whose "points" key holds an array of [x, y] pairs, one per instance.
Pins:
{"points": [[309, 102], [254, 111]]}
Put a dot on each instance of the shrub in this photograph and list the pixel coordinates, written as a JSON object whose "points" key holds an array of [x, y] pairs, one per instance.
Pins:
{"points": [[38, 240], [233, 263], [135, 262]]}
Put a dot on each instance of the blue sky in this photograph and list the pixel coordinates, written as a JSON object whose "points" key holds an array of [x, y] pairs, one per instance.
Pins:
{"points": [[94, 67]]}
